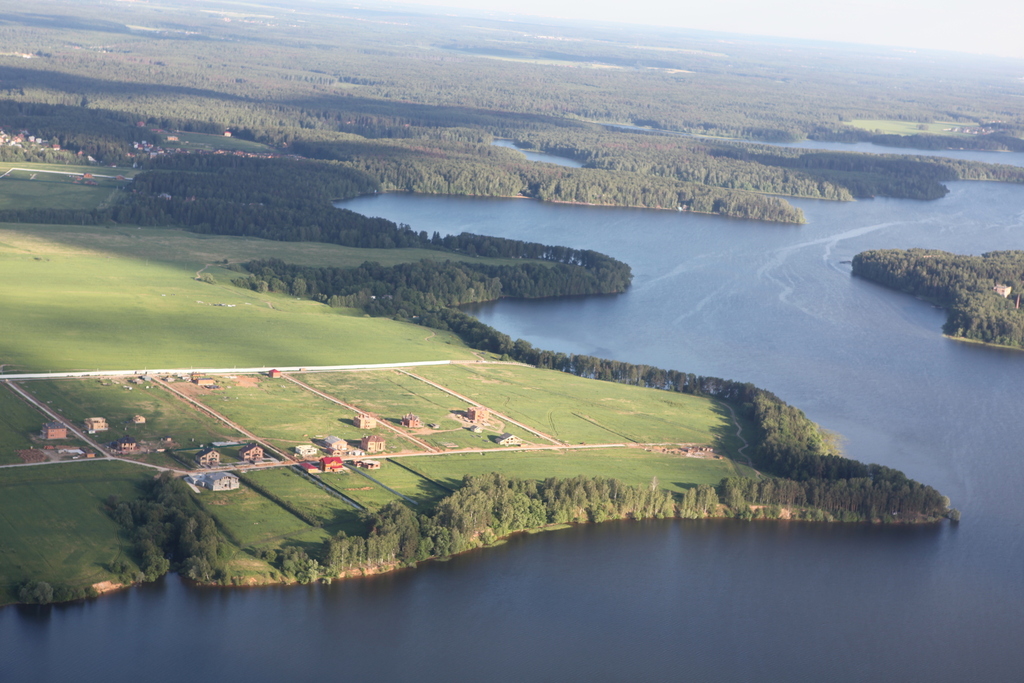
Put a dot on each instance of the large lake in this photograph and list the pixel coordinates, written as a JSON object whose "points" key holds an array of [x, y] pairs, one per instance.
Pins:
{"points": [[722, 601]]}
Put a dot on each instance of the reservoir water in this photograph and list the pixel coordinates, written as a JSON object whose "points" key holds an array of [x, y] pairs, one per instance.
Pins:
{"points": [[722, 601]]}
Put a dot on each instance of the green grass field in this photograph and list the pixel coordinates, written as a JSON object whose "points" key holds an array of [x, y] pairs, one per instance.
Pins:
{"points": [[287, 414], [410, 485], [166, 415], [911, 127], [253, 521], [360, 489], [53, 526], [390, 395], [193, 251], [51, 192], [629, 465], [336, 514], [578, 410], [209, 142], [72, 308], [17, 421]]}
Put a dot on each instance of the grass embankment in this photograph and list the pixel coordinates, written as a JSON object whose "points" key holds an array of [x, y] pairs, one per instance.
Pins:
{"points": [[578, 410], [252, 520], [53, 526], [75, 308]]}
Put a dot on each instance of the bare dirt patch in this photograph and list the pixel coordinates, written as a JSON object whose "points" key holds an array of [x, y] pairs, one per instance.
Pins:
{"points": [[32, 455], [106, 586], [247, 381]]}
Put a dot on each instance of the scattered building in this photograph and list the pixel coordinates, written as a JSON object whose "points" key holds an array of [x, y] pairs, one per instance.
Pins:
{"points": [[138, 419], [54, 430], [372, 444], [125, 445], [215, 481], [274, 374], [364, 421], [476, 429], [203, 381], [306, 450], [411, 421], [251, 453], [335, 446], [478, 414], [207, 457], [1003, 290], [332, 463], [507, 439], [367, 464], [96, 424], [309, 467]]}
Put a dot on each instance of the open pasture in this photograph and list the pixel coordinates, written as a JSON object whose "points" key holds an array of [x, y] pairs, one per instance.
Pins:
{"points": [[336, 514], [284, 412], [579, 410], [630, 465], [74, 308], [118, 402], [253, 521], [360, 489], [389, 395], [53, 524], [17, 421], [912, 127], [409, 484]]}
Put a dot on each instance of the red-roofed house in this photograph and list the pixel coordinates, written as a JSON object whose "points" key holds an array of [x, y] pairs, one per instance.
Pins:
{"points": [[331, 463]]}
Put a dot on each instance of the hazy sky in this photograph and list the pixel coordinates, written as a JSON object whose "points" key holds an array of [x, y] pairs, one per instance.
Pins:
{"points": [[984, 28]]}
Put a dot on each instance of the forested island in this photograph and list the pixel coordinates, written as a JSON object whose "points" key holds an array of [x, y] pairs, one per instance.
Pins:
{"points": [[981, 293]]}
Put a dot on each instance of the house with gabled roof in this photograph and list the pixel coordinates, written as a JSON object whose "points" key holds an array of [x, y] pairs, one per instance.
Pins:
{"points": [[372, 443]]}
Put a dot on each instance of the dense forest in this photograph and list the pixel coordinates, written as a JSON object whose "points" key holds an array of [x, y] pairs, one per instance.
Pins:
{"points": [[964, 285], [415, 110]]}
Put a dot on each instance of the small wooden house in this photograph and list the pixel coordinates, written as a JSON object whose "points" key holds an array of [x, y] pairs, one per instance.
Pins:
{"points": [[372, 444], [138, 419], [251, 453], [310, 467], [54, 430], [364, 421], [207, 457], [96, 424], [274, 374], [507, 439], [411, 421], [1003, 290]]}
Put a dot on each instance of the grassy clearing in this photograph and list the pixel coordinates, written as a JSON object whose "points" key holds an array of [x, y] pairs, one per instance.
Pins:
{"points": [[192, 251], [71, 308], [17, 421], [578, 410], [21, 191], [253, 521], [53, 526], [360, 489], [911, 127], [166, 415], [286, 413], [630, 465], [335, 514], [391, 394], [410, 485], [209, 143]]}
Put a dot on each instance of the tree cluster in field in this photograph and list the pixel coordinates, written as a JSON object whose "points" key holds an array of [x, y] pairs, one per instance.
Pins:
{"points": [[44, 592], [409, 289], [168, 531], [961, 284]]}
